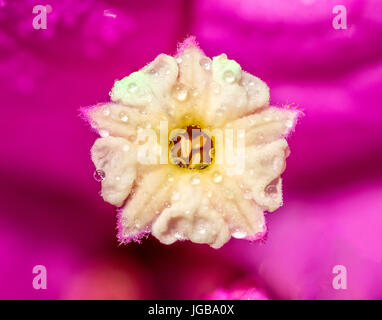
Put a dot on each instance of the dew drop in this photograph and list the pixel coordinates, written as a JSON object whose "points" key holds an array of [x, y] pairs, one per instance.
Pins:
{"points": [[205, 63], [270, 189], [239, 234], [123, 116], [106, 111], [170, 179], [99, 175], [178, 235], [132, 87], [217, 178], [179, 60], [215, 87], [126, 147], [132, 138], [103, 133], [180, 92], [167, 204], [289, 123], [267, 119], [175, 196], [229, 76], [195, 180], [194, 92]]}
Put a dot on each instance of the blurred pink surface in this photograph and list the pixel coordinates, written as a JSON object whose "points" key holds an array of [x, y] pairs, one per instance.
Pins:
{"points": [[50, 210]]}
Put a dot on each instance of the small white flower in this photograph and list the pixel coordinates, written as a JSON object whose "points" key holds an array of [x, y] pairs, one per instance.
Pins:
{"points": [[200, 200]]}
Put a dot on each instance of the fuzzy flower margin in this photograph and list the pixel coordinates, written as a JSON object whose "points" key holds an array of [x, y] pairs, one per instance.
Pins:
{"points": [[204, 206]]}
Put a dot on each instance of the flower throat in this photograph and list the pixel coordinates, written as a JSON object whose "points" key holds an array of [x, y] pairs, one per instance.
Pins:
{"points": [[191, 148]]}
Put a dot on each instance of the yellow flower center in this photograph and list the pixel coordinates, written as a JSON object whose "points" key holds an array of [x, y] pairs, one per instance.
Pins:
{"points": [[191, 148]]}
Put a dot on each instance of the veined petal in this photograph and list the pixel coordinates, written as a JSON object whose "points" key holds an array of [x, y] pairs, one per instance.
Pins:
{"points": [[264, 166], [191, 217], [257, 91], [116, 157], [191, 91], [233, 93], [266, 126], [148, 89], [243, 216], [150, 196], [119, 120]]}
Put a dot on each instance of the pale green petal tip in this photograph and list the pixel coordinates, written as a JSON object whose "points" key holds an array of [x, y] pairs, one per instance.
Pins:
{"points": [[225, 70], [128, 85]]}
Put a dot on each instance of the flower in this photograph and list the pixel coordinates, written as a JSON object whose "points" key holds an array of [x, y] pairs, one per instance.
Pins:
{"points": [[197, 183]]}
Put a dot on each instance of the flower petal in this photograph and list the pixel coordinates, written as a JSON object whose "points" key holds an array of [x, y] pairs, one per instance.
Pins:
{"points": [[191, 92], [118, 120], [194, 69], [150, 197], [264, 165], [266, 126], [191, 217], [116, 157], [243, 216], [233, 92], [148, 89]]}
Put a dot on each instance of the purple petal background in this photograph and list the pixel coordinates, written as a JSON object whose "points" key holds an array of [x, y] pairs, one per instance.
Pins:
{"points": [[50, 210]]}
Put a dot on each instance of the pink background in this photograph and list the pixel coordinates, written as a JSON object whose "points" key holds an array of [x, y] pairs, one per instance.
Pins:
{"points": [[50, 210]]}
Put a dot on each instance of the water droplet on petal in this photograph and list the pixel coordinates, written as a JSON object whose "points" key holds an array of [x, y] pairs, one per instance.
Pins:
{"points": [[205, 63], [194, 92], [123, 116], [289, 123], [170, 179], [132, 87], [99, 175], [215, 87], [229, 76], [106, 111], [217, 178], [195, 180], [175, 196], [267, 119], [239, 234], [179, 60], [126, 147], [271, 189], [180, 92], [178, 235], [103, 133]]}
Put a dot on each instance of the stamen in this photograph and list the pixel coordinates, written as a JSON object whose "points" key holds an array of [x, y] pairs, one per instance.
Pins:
{"points": [[191, 148]]}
